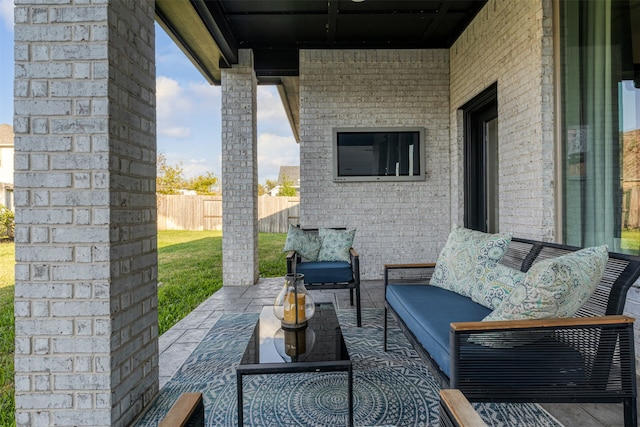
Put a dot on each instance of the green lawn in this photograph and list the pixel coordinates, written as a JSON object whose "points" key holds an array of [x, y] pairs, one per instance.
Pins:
{"points": [[189, 270], [7, 280]]}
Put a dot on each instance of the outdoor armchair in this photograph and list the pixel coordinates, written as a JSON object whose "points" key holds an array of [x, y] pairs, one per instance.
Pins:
{"points": [[341, 272]]}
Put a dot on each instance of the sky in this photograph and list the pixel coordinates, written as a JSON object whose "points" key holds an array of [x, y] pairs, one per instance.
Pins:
{"points": [[188, 111]]}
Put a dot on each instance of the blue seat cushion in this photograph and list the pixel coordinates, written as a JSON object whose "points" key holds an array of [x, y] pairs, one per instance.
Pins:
{"points": [[428, 311], [325, 271]]}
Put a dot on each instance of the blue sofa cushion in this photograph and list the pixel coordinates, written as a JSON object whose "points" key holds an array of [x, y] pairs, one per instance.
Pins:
{"points": [[428, 310], [325, 271]]}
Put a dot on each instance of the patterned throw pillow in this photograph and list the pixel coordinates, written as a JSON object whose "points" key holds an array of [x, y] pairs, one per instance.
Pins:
{"points": [[555, 287], [464, 251], [494, 283], [304, 243], [335, 244]]}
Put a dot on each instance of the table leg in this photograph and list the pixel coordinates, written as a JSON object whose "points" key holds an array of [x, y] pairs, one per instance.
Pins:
{"points": [[350, 382], [240, 403]]}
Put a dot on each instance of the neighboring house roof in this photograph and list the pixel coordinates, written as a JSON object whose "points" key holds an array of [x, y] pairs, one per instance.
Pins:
{"points": [[6, 135], [292, 173]]}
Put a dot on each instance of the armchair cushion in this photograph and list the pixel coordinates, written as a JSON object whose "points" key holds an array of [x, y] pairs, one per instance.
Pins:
{"points": [[304, 243], [465, 251], [325, 271], [335, 244], [556, 287]]}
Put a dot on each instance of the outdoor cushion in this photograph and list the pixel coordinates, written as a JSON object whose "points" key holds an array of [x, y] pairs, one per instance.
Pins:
{"points": [[335, 244], [465, 251], [304, 243], [325, 271], [494, 283], [428, 312], [555, 287]]}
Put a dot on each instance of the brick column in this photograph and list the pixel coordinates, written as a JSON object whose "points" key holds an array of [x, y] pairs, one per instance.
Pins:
{"points": [[239, 173], [86, 261]]}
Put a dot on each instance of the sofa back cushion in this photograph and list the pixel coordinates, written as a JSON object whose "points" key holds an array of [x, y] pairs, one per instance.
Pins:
{"points": [[465, 251], [555, 287]]}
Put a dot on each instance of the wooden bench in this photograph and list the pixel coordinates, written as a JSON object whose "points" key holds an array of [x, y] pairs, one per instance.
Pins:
{"points": [[188, 411], [588, 359]]}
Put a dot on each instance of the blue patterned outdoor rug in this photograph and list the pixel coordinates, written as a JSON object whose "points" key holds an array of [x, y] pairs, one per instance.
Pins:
{"points": [[392, 388]]}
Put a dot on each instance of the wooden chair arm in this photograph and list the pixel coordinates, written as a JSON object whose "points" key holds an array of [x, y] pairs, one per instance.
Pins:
{"points": [[291, 254], [465, 327], [354, 253], [458, 410]]}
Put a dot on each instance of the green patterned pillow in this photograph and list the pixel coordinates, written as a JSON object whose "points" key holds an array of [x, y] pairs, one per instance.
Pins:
{"points": [[494, 283], [335, 244], [555, 287], [305, 243], [464, 251]]}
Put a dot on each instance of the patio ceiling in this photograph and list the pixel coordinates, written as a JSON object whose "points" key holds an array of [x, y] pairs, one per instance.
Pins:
{"points": [[210, 32]]}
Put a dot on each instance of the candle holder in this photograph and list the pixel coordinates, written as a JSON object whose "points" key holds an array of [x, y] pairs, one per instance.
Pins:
{"points": [[293, 305]]}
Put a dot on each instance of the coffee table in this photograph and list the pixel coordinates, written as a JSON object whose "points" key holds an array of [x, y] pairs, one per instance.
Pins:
{"points": [[318, 348]]}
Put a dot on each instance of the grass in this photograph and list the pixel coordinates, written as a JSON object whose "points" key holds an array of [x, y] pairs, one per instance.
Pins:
{"points": [[189, 269], [7, 280]]}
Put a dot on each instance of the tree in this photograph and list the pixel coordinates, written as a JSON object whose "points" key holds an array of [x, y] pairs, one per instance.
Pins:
{"points": [[287, 188], [204, 184], [7, 223], [268, 186], [169, 179]]}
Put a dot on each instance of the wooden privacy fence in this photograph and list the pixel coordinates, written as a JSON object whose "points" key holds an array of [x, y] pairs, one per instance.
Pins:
{"points": [[180, 212]]}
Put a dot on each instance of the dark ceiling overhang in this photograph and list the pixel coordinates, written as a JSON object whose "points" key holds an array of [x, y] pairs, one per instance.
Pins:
{"points": [[210, 32]]}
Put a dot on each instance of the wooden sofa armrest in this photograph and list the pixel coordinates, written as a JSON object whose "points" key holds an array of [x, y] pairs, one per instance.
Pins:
{"points": [[456, 410], [354, 253], [459, 327], [415, 273]]}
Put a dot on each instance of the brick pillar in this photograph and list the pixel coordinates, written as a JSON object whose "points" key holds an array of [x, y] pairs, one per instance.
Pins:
{"points": [[239, 173], [86, 261]]}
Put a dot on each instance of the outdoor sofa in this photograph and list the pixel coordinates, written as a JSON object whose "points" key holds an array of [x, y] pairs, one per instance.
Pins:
{"points": [[588, 357]]}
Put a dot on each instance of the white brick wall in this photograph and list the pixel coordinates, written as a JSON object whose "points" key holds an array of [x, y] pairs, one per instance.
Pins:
{"points": [[395, 221], [240, 173], [86, 272], [510, 42]]}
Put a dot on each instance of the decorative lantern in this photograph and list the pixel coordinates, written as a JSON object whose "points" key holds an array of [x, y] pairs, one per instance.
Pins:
{"points": [[294, 306]]}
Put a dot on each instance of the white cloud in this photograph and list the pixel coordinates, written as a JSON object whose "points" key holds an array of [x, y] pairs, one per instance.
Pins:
{"points": [[269, 104], [177, 132], [6, 13], [275, 151]]}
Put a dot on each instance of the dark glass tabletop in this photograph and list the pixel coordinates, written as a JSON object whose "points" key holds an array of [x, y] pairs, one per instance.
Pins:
{"points": [[320, 341]]}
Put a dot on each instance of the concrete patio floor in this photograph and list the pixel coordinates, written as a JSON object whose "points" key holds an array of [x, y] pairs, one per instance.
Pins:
{"points": [[178, 343]]}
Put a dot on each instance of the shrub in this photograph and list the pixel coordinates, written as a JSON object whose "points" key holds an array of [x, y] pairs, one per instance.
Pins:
{"points": [[7, 223]]}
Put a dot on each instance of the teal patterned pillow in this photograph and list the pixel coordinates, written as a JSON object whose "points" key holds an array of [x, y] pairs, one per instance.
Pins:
{"points": [[305, 243], [464, 251], [555, 287], [335, 244], [494, 283]]}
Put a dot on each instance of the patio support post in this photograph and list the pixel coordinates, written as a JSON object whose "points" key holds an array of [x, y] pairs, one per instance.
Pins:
{"points": [[86, 323], [239, 173]]}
